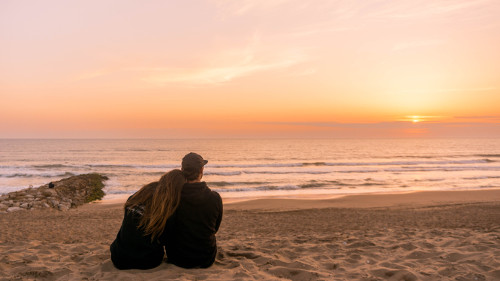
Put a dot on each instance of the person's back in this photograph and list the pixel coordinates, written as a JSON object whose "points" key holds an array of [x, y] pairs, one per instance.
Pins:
{"points": [[133, 249], [190, 240], [147, 215]]}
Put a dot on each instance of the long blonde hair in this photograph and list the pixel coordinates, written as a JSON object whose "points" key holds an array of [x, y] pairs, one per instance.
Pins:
{"points": [[159, 200]]}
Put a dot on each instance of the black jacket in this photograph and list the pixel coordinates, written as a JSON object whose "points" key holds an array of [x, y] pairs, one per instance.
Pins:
{"points": [[190, 236], [131, 249]]}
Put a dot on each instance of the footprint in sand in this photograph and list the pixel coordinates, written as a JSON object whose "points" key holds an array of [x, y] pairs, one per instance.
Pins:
{"points": [[294, 273], [394, 274], [247, 255]]}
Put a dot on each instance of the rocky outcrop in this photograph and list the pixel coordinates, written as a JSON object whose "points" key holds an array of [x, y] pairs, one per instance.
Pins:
{"points": [[61, 195]]}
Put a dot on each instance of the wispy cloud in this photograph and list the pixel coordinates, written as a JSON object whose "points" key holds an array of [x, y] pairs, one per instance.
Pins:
{"points": [[383, 125], [328, 16], [218, 74], [217, 68], [479, 117], [449, 90], [305, 72], [395, 124], [416, 44], [236, 8], [230, 64], [349, 9], [94, 74], [423, 9]]}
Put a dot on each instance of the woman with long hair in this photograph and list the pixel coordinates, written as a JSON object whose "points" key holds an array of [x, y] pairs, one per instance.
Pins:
{"points": [[139, 241]]}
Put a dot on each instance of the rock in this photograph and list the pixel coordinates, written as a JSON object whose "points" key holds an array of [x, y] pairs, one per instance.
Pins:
{"points": [[65, 194], [13, 209], [36, 204], [63, 207], [49, 192], [24, 205], [53, 203]]}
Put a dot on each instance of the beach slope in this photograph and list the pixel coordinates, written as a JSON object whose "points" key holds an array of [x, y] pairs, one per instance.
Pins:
{"points": [[452, 235]]}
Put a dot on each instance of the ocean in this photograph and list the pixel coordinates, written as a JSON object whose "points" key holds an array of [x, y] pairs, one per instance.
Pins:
{"points": [[256, 168]]}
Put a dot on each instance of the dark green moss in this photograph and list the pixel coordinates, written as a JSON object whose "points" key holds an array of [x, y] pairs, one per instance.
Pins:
{"points": [[96, 185]]}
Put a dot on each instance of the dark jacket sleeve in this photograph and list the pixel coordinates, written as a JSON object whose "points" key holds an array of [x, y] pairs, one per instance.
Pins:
{"points": [[221, 210]]}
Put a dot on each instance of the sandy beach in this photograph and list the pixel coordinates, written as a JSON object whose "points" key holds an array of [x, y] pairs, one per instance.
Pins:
{"points": [[452, 235]]}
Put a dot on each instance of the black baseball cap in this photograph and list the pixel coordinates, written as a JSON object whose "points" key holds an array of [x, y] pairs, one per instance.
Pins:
{"points": [[193, 161]]}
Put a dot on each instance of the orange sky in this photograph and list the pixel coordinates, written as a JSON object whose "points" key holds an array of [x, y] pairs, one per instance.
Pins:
{"points": [[249, 68]]}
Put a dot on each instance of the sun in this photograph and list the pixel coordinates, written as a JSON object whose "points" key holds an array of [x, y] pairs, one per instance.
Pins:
{"points": [[415, 119]]}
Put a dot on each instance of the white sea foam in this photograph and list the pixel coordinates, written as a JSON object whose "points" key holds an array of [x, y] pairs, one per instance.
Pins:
{"points": [[261, 166], [34, 174], [312, 172], [232, 173]]}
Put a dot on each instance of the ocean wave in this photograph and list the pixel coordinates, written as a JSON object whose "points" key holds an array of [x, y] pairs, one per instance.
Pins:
{"points": [[322, 163], [51, 166], [166, 167], [153, 173], [269, 165], [431, 180], [357, 171], [313, 185], [225, 183], [488, 155], [335, 182], [272, 188], [38, 175], [8, 189], [136, 166], [314, 164], [222, 190], [277, 187], [481, 178], [412, 163], [287, 172], [420, 156], [232, 173], [133, 149], [371, 184], [91, 165], [443, 168], [115, 191], [259, 188]]}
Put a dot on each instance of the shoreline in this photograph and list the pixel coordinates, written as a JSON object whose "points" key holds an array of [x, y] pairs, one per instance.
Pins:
{"points": [[362, 200]]}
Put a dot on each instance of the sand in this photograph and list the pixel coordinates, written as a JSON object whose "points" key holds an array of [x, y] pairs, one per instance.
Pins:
{"points": [[453, 235]]}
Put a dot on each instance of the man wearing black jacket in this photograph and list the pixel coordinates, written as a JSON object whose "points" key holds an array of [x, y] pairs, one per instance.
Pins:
{"points": [[190, 240]]}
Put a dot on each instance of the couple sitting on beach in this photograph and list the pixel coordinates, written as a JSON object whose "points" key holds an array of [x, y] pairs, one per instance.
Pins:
{"points": [[178, 215]]}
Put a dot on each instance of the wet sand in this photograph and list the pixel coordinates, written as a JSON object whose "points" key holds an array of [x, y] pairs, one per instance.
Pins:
{"points": [[453, 235]]}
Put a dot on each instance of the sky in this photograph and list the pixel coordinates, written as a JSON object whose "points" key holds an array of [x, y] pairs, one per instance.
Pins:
{"points": [[249, 68]]}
